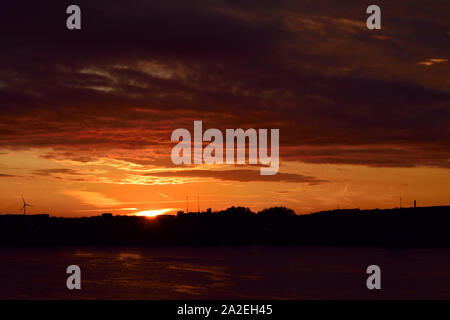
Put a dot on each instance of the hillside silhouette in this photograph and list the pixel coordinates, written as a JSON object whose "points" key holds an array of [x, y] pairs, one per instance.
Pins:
{"points": [[405, 227]]}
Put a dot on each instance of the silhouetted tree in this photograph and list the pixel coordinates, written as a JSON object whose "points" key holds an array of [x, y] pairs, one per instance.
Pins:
{"points": [[236, 211], [277, 212]]}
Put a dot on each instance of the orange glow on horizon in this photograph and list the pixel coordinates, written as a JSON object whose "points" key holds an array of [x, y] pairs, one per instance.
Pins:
{"points": [[70, 189]]}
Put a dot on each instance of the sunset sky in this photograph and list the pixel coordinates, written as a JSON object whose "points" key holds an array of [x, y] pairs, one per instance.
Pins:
{"points": [[86, 116]]}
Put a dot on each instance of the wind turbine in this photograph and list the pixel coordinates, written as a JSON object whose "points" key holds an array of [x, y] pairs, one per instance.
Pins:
{"points": [[25, 205]]}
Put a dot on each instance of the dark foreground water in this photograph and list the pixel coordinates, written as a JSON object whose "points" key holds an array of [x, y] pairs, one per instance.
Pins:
{"points": [[224, 273]]}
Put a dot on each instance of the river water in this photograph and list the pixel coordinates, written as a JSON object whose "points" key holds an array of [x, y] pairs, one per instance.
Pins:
{"points": [[224, 273]]}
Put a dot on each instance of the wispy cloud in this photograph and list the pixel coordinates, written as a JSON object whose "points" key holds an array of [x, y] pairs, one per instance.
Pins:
{"points": [[163, 195], [430, 62], [93, 198]]}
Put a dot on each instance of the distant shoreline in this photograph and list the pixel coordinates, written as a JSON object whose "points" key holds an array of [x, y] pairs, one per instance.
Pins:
{"points": [[421, 227]]}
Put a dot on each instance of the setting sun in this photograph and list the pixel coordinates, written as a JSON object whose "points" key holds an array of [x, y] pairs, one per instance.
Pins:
{"points": [[152, 213]]}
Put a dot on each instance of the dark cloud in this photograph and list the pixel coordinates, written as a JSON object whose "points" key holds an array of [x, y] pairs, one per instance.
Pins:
{"points": [[377, 156], [49, 172], [136, 72], [3, 175], [242, 175]]}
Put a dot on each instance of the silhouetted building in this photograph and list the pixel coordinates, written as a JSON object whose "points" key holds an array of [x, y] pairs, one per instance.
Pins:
{"points": [[165, 217]]}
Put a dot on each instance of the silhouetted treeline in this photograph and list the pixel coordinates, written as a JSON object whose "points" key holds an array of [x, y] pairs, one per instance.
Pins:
{"points": [[407, 227]]}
